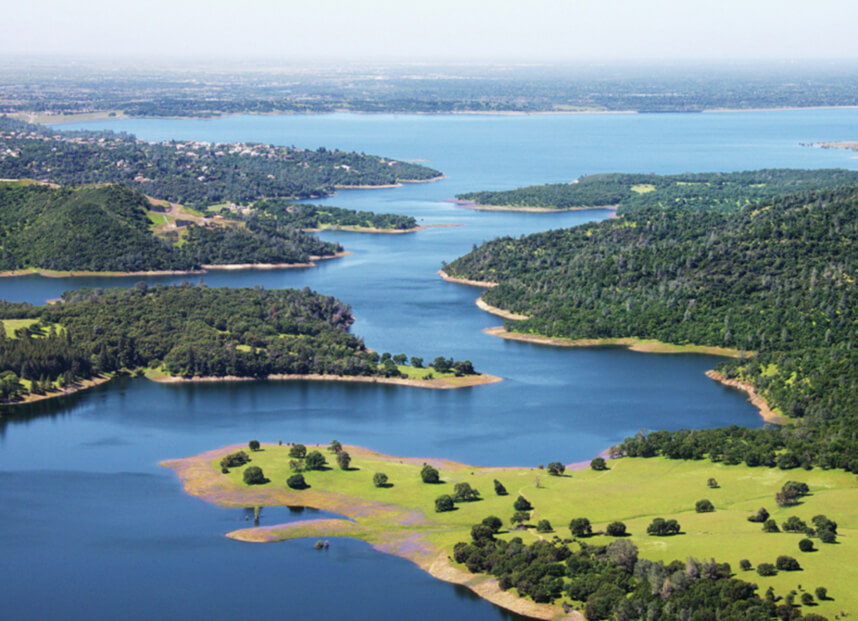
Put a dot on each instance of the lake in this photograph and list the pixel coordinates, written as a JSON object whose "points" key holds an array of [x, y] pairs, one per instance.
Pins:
{"points": [[91, 526]]}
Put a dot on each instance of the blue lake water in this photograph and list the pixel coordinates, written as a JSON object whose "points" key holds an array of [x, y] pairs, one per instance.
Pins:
{"points": [[90, 526]]}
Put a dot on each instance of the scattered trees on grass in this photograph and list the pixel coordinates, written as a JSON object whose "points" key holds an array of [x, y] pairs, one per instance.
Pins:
{"points": [[463, 492], [253, 476], [543, 526], [712, 483], [745, 565], [787, 563], [379, 479], [599, 464], [556, 468], [807, 600], [766, 569], [444, 503], [296, 481], [791, 493], [580, 527], [493, 522], [520, 517], [760, 516], [663, 528], [335, 446], [805, 545], [429, 474], [234, 460], [253, 445], [793, 524], [298, 451], [821, 593], [522, 504], [616, 529], [770, 526], [500, 490], [315, 461]]}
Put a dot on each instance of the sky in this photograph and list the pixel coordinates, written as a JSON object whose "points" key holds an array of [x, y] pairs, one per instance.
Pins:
{"points": [[434, 30]]}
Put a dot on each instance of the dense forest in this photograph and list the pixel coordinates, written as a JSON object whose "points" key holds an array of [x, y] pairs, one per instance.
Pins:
{"points": [[612, 582], [304, 216], [106, 228], [188, 331], [776, 278], [211, 91], [727, 192], [192, 173]]}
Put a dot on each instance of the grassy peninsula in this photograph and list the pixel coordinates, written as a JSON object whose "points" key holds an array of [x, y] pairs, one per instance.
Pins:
{"points": [[562, 553], [197, 333], [724, 192], [776, 278]]}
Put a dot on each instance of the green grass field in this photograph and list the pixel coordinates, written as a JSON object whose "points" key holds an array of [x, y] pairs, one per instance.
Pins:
{"points": [[633, 491]]}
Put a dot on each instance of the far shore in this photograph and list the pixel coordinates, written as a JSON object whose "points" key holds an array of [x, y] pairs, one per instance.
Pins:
{"points": [[374, 230], [440, 383], [480, 207], [205, 269], [485, 284], [78, 386], [385, 186]]}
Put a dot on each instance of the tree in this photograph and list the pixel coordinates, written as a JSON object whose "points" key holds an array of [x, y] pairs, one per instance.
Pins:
{"points": [[616, 529], [794, 524], [821, 593], [787, 563], [335, 446], [556, 468], [580, 527], [430, 474], [826, 536], [704, 506], [760, 516], [623, 553], [663, 528], [520, 517], [500, 490], [712, 483], [522, 504], [400, 359], [493, 522], [807, 599], [543, 526], [766, 569], [770, 526], [343, 460], [296, 481], [379, 479], [442, 365], [745, 564], [298, 451], [253, 445], [416, 362], [253, 476], [444, 503], [805, 545], [463, 492], [315, 461], [234, 460], [482, 533], [599, 464]]}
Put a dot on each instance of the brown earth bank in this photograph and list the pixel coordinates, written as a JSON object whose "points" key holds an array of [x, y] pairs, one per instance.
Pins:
{"points": [[494, 310], [766, 412], [200, 479], [485, 284], [437, 383]]}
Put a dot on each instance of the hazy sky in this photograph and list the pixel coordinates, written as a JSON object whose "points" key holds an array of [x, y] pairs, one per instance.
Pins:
{"points": [[523, 30]]}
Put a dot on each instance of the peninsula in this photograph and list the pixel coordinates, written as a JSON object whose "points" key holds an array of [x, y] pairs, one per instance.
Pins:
{"points": [[572, 535]]}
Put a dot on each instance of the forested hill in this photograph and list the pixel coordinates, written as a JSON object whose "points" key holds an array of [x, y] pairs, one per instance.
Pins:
{"points": [[192, 173], [727, 192], [778, 279], [108, 228]]}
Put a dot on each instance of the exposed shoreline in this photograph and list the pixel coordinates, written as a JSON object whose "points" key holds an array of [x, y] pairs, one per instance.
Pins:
{"points": [[480, 207], [766, 412], [374, 230], [494, 310], [386, 186], [201, 480], [206, 269], [78, 386], [441, 383], [485, 284]]}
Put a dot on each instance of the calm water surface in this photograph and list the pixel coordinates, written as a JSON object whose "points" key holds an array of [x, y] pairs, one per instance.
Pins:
{"points": [[91, 527]]}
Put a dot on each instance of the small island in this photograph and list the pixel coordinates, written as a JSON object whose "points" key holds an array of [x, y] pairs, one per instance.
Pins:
{"points": [[188, 333], [562, 541]]}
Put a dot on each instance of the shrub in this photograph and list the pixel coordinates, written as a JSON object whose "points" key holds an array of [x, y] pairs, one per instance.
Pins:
{"points": [[761, 516], [807, 599], [343, 460], [253, 475], [704, 506], [580, 527], [225, 470], [745, 564], [543, 526], [444, 503], [556, 468], [770, 526], [296, 481], [787, 563], [522, 504], [821, 593], [805, 545], [430, 474], [298, 451], [234, 460], [712, 483], [598, 464], [315, 461], [616, 529], [463, 492], [500, 490], [379, 479], [493, 522], [253, 445], [766, 569]]}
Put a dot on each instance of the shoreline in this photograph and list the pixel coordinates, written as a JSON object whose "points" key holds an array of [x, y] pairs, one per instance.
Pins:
{"points": [[398, 538], [480, 207], [485, 284], [376, 231], [441, 383], [78, 386], [494, 310], [387, 186], [205, 269], [648, 346], [766, 412]]}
